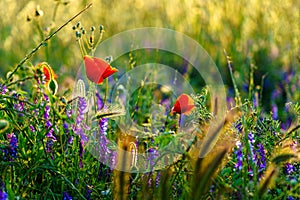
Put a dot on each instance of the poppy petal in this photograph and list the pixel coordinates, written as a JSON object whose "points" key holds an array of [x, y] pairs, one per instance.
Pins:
{"points": [[97, 69], [183, 105], [47, 71]]}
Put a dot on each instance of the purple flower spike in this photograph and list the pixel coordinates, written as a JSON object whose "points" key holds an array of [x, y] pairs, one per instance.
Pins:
{"points": [[13, 144], [239, 156]]}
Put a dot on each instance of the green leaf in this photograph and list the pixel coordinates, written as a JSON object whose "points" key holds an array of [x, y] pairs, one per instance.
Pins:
{"points": [[283, 157], [4, 124]]}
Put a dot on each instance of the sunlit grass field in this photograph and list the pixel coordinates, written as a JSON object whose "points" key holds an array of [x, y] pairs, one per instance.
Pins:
{"points": [[45, 153]]}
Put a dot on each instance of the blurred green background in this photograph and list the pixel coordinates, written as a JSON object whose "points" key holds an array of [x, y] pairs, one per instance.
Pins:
{"points": [[264, 33]]}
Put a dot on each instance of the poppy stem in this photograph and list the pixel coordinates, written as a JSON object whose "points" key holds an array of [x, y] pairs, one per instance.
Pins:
{"points": [[106, 91]]}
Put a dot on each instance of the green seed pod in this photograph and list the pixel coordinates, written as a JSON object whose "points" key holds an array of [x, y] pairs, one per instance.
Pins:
{"points": [[38, 12], [78, 34]]}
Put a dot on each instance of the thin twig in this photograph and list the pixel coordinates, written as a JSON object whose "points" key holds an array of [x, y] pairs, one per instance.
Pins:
{"points": [[20, 80], [45, 40]]}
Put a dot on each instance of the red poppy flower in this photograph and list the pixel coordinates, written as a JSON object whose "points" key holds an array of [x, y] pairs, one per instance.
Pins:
{"points": [[183, 105], [97, 69], [47, 71], [50, 77]]}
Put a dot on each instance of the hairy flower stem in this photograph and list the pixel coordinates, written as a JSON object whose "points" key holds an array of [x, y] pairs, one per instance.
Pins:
{"points": [[229, 63], [44, 41]]}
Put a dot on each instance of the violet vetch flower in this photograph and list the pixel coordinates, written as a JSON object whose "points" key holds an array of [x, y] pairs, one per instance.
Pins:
{"points": [[238, 125], [13, 145], [3, 89], [274, 111], [88, 194], [152, 155], [19, 106], [251, 143], [107, 156], [252, 152], [99, 101], [157, 181], [66, 196], [3, 195], [50, 135], [239, 155], [79, 125], [46, 98], [32, 129], [51, 138], [262, 161], [49, 145], [289, 168], [66, 127]]}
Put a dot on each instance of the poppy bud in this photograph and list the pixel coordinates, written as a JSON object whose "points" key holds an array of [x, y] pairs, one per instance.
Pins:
{"points": [[101, 28]]}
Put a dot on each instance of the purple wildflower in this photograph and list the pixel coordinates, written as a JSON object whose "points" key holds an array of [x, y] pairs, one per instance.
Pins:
{"points": [[256, 100], [51, 138], [99, 102], [252, 152], [13, 144], [152, 155], [274, 111], [239, 155], [158, 176], [3, 89], [32, 129], [66, 127], [46, 98], [238, 125], [48, 123], [107, 156], [50, 135], [79, 126], [3, 195], [262, 161], [289, 168], [66, 196], [19, 106], [251, 143], [212, 187], [88, 192], [69, 112], [49, 145]]}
